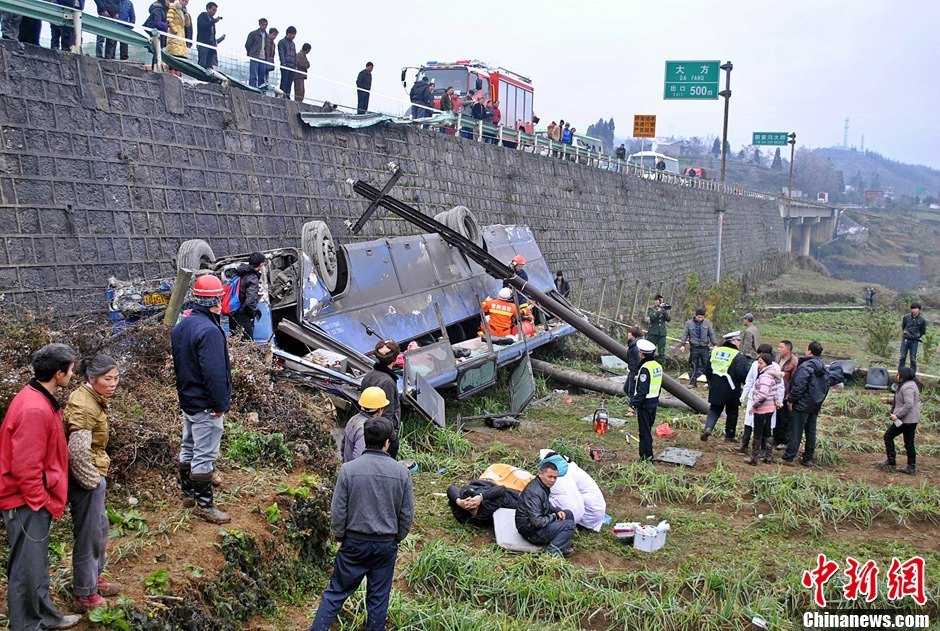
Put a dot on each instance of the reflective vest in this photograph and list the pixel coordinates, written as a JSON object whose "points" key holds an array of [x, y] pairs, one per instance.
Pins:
{"points": [[502, 316], [721, 359], [656, 378]]}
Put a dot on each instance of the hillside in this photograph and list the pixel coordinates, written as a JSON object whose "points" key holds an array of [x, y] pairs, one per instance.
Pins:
{"points": [[906, 179]]}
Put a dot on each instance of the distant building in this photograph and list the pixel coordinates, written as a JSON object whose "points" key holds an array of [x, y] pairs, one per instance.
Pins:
{"points": [[875, 199]]}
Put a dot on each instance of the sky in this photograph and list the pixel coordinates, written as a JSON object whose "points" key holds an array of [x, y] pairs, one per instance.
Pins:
{"points": [[799, 65]]}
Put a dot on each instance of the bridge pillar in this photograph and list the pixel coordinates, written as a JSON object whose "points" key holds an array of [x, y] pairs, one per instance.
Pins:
{"points": [[806, 238]]}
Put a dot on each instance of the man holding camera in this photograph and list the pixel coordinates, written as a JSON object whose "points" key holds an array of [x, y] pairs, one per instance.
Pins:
{"points": [[658, 316]]}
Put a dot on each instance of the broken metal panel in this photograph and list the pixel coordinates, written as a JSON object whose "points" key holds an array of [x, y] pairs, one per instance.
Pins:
{"points": [[476, 375], [679, 456], [522, 388], [435, 362], [426, 400]]}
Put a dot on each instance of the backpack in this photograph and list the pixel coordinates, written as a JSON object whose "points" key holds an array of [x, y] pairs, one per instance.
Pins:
{"points": [[231, 298]]}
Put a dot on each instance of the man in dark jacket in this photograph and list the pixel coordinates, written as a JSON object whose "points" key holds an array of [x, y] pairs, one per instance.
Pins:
{"points": [[364, 87], [726, 371], [633, 359], [562, 286], [255, 46], [204, 385], [157, 19], [476, 502], [537, 520], [419, 96], [382, 376], [244, 318], [645, 398], [287, 53], [205, 34], [808, 391], [109, 9], [658, 316], [372, 512], [913, 327], [700, 336]]}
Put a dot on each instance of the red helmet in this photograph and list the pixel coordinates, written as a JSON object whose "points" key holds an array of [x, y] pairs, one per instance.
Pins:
{"points": [[208, 286], [518, 260]]}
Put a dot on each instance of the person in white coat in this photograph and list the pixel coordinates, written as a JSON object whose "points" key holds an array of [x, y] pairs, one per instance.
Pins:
{"points": [[747, 392]]}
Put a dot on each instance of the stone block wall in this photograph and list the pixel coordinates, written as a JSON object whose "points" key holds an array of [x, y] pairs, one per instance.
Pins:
{"points": [[106, 168]]}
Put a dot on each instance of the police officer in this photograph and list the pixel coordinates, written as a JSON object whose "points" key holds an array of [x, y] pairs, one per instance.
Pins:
{"points": [[645, 399], [726, 371]]}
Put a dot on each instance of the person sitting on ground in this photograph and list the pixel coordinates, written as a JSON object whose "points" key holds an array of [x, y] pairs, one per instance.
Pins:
{"points": [[476, 502], [372, 403], [539, 521], [576, 491], [905, 415]]}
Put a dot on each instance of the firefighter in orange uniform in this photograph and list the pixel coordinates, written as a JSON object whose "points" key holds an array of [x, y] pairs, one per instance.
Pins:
{"points": [[502, 313]]}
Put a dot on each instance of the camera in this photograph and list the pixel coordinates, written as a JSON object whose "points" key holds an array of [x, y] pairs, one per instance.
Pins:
{"points": [[666, 306]]}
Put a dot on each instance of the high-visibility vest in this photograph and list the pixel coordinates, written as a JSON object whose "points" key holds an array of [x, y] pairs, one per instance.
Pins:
{"points": [[721, 359], [656, 378]]}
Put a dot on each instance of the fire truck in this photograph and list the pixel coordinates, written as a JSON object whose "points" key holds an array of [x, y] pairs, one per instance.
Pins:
{"points": [[513, 91]]}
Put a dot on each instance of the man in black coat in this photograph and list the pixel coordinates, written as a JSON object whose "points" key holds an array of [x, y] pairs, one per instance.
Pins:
{"points": [[419, 97], [808, 391], [726, 372], [913, 328], [205, 34], [476, 502], [538, 521], [104, 47], [382, 376], [364, 87], [244, 318]]}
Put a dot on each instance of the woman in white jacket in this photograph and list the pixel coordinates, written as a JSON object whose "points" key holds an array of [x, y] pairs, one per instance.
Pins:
{"points": [[747, 399]]}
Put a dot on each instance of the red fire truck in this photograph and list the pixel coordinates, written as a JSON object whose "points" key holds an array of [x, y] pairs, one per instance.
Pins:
{"points": [[512, 90]]}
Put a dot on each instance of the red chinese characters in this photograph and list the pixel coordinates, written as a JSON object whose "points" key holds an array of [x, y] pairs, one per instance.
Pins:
{"points": [[903, 579], [861, 578], [907, 579], [818, 577]]}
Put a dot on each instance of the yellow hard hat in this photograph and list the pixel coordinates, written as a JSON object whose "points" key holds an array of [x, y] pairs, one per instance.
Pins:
{"points": [[373, 398]]}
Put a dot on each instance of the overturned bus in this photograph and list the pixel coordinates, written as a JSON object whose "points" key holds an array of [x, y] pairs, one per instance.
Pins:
{"points": [[324, 306]]}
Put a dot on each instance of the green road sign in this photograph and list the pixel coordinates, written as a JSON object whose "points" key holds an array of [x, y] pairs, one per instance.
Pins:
{"points": [[770, 138], [692, 79]]}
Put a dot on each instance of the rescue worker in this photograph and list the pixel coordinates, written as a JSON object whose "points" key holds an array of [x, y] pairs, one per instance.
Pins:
{"points": [[501, 314], [658, 316], [372, 402], [244, 318], [726, 371], [384, 376], [645, 399]]}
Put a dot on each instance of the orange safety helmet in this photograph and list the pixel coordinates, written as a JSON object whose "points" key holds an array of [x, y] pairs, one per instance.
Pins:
{"points": [[518, 260], [208, 286]]}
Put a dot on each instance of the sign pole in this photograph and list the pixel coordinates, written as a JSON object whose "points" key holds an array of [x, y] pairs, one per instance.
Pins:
{"points": [[726, 94], [792, 143]]}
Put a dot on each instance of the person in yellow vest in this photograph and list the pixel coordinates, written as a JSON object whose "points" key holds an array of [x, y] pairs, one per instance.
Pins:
{"points": [[726, 371], [645, 399], [502, 313]]}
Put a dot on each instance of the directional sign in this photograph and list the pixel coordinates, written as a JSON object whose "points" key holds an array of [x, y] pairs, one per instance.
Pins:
{"points": [[692, 79], [770, 138], [644, 126]]}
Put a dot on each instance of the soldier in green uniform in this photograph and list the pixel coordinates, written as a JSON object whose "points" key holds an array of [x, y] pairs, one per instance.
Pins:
{"points": [[658, 316]]}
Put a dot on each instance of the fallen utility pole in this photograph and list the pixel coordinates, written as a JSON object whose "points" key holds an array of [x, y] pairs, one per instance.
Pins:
{"points": [[498, 269], [586, 381]]}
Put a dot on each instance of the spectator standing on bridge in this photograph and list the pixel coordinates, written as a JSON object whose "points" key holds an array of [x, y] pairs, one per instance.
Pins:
{"points": [[658, 315], [700, 336], [269, 52], [567, 134], [913, 328], [447, 104], [419, 97], [157, 19], [34, 488], [255, 46], [621, 152], [364, 88], [808, 391], [86, 422], [63, 37], [303, 67], [181, 25], [104, 48], [383, 376], [204, 385], [287, 54], [129, 17], [205, 34], [750, 338], [726, 371], [372, 512], [905, 415]]}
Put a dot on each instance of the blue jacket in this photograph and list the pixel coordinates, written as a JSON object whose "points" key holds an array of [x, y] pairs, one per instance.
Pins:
{"points": [[201, 361], [127, 12]]}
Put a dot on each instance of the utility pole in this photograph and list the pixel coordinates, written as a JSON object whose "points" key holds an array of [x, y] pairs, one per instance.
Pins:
{"points": [[792, 143], [726, 94]]}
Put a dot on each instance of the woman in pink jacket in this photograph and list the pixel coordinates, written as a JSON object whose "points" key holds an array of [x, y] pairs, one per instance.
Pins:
{"points": [[763, 406]]}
